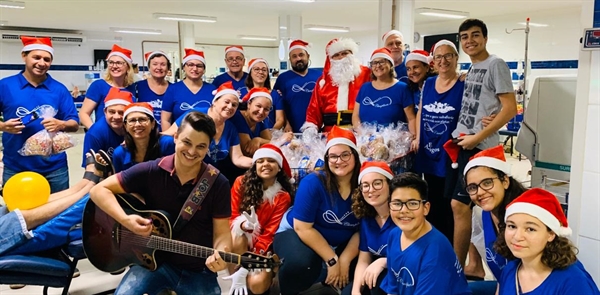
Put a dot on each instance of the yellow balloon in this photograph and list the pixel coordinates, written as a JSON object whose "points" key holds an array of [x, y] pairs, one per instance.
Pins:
{"points": [[26, 190]]}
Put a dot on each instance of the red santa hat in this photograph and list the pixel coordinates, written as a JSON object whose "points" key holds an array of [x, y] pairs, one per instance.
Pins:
{"points": [[255, 61], [419, 55], [339, 135], [191, 54], [492, 158], [272, 151], [382, 53], [256, 92], [142, 107], [117, 97], [120, 52], [544, 206], [225, 88], [340, 44], [236, 48], [151, 54], [33, 43], [391, 33], [375, 166], [298, 44], [444, 42], [452, 149]]}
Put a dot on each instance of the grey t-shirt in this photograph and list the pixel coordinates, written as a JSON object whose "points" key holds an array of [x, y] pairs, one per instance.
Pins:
{"points": [[485, 80]]}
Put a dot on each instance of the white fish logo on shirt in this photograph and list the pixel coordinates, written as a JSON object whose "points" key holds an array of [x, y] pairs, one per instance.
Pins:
{"points": [[438, 107], [400, 280], [307, 87], [186, 106], [377, 252], [330, 217], [43, 110], [381, 102]]}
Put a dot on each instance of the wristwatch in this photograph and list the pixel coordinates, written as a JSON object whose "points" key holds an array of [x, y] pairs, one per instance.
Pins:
{"points": [[332, 261]]}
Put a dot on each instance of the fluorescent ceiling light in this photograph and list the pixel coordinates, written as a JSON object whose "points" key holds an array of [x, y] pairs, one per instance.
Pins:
{"points": [[257, 38], [534, 24], [442, 13], [327, 28], [303, 1], [136, 31], [12, 4], [282, 27], [185, 17], [3, 23]]}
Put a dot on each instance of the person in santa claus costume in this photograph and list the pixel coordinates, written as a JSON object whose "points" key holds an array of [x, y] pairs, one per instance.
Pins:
{"points": [[333, 98]]}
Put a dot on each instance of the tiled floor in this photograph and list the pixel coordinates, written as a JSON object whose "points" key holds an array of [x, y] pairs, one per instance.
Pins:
{"points": [[93, 281]]}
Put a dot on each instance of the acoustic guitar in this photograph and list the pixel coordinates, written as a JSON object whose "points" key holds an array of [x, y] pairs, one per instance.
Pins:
{"points": [[111, 247]]}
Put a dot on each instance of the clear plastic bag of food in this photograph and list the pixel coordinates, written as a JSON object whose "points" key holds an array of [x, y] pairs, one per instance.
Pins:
{"points": [[62, 141], [39, 144]]}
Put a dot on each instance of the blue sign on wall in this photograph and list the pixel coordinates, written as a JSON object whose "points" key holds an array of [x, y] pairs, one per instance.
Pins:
{"points": [[597, 14]]}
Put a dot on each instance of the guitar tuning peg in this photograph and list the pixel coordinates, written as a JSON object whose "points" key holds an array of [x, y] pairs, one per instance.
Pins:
{"points": [[268, 270], [262, 252], [269, 254], [253, 250]]}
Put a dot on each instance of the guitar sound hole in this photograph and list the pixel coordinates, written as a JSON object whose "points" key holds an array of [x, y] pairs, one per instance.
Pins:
{"points": [[156, 223]]}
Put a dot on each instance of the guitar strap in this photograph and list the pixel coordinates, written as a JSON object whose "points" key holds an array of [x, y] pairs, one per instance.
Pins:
{"points": [[194, 200]]}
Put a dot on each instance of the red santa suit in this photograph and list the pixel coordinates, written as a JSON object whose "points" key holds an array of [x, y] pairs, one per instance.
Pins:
{"points": [[328, 98]]}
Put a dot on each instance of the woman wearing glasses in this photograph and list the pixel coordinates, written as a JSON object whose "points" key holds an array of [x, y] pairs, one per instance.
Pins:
{"points": [[190, 93], [420, 260], [370, 203], [318, 237], [385, 100], [143, 142], [152, 90], [119, 73], [259, 77]]}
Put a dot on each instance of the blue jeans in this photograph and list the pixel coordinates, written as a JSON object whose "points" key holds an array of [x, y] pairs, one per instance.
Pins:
{"points": [[13, 230], [58, 179], [139, 280]]}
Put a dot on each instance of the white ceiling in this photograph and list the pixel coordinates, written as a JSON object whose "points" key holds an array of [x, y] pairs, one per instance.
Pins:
{"points": [[246, 17]]}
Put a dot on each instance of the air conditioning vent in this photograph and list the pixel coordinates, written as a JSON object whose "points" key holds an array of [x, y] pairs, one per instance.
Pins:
{"points": [[75, 40]]}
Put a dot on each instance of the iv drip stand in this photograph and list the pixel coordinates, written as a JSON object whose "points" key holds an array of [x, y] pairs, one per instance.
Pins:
{"points": [[523, 90]]}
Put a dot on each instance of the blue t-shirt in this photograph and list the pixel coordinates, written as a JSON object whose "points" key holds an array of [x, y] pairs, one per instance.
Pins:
{"points": [[383, 107], [179, 119], [572, 280], [122, 158], [439, 117], [330, 215], [242, 126], [400, 70], [97, 92], [101, 137], [142, 91], [428, 266], [179, 99], [296, 91], [416, 96], [237, 85], [19, 98], [374, 239], [277, 106]]}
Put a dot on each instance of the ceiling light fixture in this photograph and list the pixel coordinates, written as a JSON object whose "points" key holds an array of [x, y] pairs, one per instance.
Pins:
{"points": [[334, 29], [442, 13], [303, 1], [257, 38], [136, 31], [3, 23], [282, 27], [185, 17], [534, 25], [12, 4]]}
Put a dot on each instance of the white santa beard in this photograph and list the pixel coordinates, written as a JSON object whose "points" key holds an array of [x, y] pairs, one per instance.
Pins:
{"points": [[342, 73]]}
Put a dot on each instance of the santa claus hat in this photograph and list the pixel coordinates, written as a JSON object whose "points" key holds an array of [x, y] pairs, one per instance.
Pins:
{"points": [[33, 43], [142, 107], [452, 149], [255, 61], [382, 53], [191, 54], [225, 88], [120, 52], [419, 55], [338, 135], [391, 33], [544, 206], [235, 48], [444, 42], [298, 44], [492, 158], [271, 151], [375, 166], [256, 92], [151, 54], [340, 44], [117, 97]]}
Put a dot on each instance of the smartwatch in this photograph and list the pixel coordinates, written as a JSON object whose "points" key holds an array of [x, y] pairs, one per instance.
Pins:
{"points": [[332, 261]]}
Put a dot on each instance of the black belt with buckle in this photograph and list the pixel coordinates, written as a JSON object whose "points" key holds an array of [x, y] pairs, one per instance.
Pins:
{"points": [[339, 119]]}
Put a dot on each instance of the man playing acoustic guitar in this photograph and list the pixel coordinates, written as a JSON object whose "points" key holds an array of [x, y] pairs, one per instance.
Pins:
{"points": [[167, 184]]}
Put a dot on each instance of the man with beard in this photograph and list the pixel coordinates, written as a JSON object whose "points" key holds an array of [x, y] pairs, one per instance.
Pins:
{"points": [[235, 60], [394, 41], [334, 96], [296, 86]]}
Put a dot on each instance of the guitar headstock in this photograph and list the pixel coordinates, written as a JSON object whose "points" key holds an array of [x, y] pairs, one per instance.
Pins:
{"points": [[251, 260]]}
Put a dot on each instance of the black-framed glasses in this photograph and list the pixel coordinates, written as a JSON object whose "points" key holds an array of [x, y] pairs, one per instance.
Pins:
{"points": [[376, 63], [192, 65], [115, 63], [486, 185], [345, 156], [447, 56], [377, 184], [237, 58], [141, 120], [411, 205]]}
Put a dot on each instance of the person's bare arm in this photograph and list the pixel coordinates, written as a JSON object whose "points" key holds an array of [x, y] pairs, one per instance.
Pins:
{"points": [[85, 112], [414, 146], [364, 259], [238, 158], [279, 119], [165, 119], [409, 111], [355, 117]]}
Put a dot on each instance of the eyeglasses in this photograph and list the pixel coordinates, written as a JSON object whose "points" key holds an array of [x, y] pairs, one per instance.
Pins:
{"points": [[345, 156], [141, 120], [258, 70], [192, 65], [376, 185], [378, 63], [232, 59], [486, 185], [115, 63], [411, 205], [447, 56]]}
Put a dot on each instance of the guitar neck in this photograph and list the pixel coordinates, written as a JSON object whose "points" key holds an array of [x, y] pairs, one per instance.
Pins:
{"points": [[179, 247]]}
